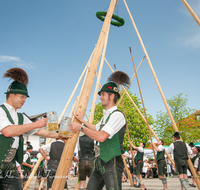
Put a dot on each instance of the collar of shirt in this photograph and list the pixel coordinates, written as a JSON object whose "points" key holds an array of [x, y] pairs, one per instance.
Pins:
{"points": [[28, 153], [10, 108], [107, 112], [60, 141]]}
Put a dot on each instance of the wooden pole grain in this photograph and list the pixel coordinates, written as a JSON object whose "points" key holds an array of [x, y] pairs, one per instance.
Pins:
{"points": [[161, 92], [191, 11], [66, 159]]}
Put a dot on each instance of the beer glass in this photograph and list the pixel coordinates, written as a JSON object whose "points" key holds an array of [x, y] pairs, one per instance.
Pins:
{"points": [[64, 129], [52, 121]]}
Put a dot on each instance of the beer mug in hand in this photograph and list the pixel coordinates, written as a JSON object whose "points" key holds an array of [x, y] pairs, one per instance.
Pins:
{"points": [[64, 129], [52, 121]]}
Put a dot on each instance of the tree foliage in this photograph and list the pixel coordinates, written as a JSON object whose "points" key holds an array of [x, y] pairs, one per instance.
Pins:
{"points": [[138, 130], [186, 123]]}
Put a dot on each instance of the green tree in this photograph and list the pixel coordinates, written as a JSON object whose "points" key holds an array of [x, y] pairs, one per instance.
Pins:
{"points": [[178, 107], [137, 128]]}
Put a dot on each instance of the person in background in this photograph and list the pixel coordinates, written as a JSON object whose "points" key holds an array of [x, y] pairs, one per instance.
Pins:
{"points": [[180, 151], [145, 168], [160, 158], [41, 174], [86, 154], [195, 161], [54, 149], [26, 164], [139, 162], [169, 168]]}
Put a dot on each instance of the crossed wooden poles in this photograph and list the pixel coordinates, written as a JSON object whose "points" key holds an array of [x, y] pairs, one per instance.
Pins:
{"points": [[68, 151]]}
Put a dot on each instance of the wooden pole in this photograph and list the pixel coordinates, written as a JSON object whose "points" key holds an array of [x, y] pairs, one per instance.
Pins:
{"points": [[41, 184], [98, 81], [130, 82], [33, 173], [38, 161], [75, 88], [143, 118], [161, 92], [191, 11], [129, 176], [66, 159], [128, 171], [144, 109]]}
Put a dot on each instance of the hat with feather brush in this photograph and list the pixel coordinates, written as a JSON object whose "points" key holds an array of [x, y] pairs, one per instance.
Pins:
{"points": [[115, 79], [19, 85]]}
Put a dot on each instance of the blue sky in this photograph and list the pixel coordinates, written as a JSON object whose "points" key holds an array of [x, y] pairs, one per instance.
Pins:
{"points": [[53, 40]]}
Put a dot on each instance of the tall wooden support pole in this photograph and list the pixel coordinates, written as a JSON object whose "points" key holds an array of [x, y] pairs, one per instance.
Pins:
{"points": [[144, 108], [130, 81], [161, 92], [41, 184], [143, 117], [68, 151], [129, 176], [128, 171], [191, 11], [98, 81], [75, 88]]}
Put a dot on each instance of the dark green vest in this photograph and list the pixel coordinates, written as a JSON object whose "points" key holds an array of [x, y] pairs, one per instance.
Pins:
{"points": [[139, 156], [180, 151], [28, 161], [8, 141], [113, 147], [86, 148], [160, 155]]}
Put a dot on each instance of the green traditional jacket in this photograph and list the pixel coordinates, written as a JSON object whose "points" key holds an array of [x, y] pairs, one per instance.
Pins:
{"points": [[8, 141], [113, 147]]}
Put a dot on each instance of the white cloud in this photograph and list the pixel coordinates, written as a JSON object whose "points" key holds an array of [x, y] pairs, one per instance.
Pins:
{"points": [[15, 61], [192, 41], [4, 58]]}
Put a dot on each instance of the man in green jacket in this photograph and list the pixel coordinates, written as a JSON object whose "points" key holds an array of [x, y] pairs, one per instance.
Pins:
{"points": [[12, 125], [109, 132]]}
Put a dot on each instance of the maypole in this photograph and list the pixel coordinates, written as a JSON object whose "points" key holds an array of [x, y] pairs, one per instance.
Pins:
{"points": [[68, 151], [60, 118], [144, 108], [161, 93]]}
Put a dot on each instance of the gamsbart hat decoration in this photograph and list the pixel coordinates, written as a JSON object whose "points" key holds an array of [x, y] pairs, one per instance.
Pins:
{"points": [[177, 135], [19, 85], [115, 79]]}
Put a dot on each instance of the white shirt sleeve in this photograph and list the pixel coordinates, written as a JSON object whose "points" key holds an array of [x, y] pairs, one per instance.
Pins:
{"points": [[17, 164], [161, 148], [4, 120], [189, 150], [140, 149], [27, 121], [25, 157], [196, 163], [170, 149], [114, 124], [46, 147]]}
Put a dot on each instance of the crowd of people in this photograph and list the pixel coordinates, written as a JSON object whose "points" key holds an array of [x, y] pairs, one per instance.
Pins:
{"points": [[105, 169]]}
